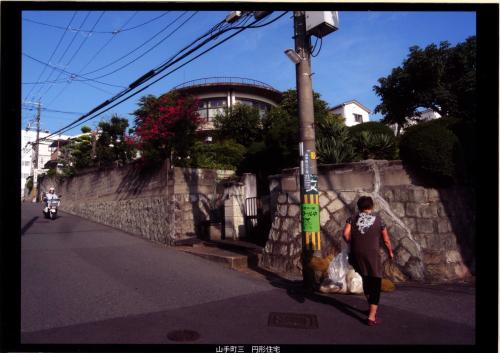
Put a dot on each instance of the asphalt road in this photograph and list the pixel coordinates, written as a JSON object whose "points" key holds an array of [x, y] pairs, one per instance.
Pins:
{"points": [[84, 282]]}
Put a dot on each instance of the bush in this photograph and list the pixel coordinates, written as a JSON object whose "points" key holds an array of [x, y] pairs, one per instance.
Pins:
{"points": [[334, 143], [432, 150], [374, 140], [373, 127], [220, 155]]}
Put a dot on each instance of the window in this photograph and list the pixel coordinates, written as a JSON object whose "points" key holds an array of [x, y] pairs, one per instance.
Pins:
{"points": [[209, 108], [358, 118], [261, 106]]}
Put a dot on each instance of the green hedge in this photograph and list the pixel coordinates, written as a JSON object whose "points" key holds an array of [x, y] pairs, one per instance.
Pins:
{"points": [[434, 151]]}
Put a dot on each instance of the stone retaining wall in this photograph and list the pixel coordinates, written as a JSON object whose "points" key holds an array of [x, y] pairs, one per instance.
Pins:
{"points": [[431, 230], [161, 204]]}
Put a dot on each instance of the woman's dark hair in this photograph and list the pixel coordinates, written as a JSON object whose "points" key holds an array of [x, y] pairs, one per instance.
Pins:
{"points": [[365, 203]]}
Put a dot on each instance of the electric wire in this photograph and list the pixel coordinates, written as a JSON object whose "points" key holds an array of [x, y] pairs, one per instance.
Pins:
{"points": [[135, 49], [71, 60], [70, 74], [98, 32], [88, 116], [113, 36], [53, 52], [319, 50], [61, 57]]}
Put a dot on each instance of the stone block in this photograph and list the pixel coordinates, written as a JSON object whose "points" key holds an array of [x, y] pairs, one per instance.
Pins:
{"points": [[401, 255], [293, 210], [324, 217], [425, 226], [388, 195], [441, 210], [411, 223], [348, 196], [289, 183], [428, 210], [433, 195], [335, 205], [323, 200], [401, 194], [282, 198], [443, 225], [412, 209], [398, 209], [448, 241], [282, 210], [433, 257], [294, 197], [421, 240], [453, 256], [417, 194], [410, 246]]}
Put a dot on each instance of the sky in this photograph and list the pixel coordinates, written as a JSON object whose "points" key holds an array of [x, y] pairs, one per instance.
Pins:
{"points": [[366, 47]]}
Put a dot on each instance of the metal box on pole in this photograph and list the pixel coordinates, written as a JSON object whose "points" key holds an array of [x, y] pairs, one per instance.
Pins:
{"points": [[321, 23]]}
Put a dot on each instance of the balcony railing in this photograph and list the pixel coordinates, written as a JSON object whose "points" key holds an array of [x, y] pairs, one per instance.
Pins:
{"points": [[222, 80]]}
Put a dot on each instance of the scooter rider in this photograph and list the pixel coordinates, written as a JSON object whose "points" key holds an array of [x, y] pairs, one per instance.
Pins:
{"points": [[49, 196]]}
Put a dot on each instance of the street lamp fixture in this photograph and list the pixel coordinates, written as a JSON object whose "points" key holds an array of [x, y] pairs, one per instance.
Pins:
{"points": [[293, 56]]}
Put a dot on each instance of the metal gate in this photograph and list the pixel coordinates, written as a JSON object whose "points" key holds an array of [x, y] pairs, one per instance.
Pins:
{"points": [[251, 216]]}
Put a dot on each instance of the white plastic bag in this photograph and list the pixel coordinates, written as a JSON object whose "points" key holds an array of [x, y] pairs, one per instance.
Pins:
{"points": [[341, 276]]}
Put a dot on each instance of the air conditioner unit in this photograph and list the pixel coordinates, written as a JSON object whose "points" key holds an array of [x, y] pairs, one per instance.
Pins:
{"points": [[321, 23]]}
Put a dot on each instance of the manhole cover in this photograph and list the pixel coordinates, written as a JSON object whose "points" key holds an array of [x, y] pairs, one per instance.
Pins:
{"points": [[307, 321], [183, 336]]}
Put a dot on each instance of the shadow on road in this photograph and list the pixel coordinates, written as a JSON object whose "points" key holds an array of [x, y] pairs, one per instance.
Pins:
{"points": [[295, 290], [28, 225]]}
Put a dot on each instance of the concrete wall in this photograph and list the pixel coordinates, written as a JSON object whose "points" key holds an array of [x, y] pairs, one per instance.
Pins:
{"points": [[162, 204], [431, 230]]}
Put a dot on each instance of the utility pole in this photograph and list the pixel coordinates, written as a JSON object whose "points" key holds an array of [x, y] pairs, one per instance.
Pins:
{"points": [[37, 143], [309, 193]]}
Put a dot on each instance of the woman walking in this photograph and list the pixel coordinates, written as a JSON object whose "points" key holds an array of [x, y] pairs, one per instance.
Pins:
{"points": [[363, 232]]}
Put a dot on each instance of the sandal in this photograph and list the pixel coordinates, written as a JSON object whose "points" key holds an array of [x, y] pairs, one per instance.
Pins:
{"points": [[377, 321]]}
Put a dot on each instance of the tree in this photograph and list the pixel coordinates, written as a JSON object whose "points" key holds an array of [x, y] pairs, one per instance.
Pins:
{"points": [[85, 129], [112, 145], [281, 131], [166, 126], [242, 123], [441, 78]]}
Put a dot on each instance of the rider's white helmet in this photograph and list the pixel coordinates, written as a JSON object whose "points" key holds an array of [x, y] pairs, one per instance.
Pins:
{"points": [[51, 188]]}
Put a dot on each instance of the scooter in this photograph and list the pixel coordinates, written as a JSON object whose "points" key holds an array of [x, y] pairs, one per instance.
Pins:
{"points": [[50, 211]]}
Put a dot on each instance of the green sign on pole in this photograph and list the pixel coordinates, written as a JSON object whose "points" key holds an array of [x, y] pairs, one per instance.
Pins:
{"points": [[310, 217]]}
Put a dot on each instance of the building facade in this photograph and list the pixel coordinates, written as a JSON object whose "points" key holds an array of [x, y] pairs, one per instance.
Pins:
{"points": [[217, 93], [353, 112], [28, 155], [425, 115]]}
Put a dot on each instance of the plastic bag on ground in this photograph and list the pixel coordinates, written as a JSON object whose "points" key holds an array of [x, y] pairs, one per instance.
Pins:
{"points": [[341, 276]]}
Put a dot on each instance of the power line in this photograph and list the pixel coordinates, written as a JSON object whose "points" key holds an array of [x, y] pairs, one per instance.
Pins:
{"points": [[70, 74], [74, 55], [60, 58], [137, 48], [113, 36], [53, 52], [99, 32], [86, 117]]}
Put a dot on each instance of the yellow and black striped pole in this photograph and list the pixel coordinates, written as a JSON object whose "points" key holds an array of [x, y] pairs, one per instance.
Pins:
{"points": [[309, 202]]}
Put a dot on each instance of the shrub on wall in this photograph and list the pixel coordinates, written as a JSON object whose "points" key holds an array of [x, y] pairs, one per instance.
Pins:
{"points": [[374, 140], [220, 155], [373, 127], [432, 150]]}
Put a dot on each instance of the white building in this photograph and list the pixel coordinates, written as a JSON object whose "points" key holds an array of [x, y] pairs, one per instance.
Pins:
{"points": [[28, 154], [353, 112], [216, 93], [425, 115]]}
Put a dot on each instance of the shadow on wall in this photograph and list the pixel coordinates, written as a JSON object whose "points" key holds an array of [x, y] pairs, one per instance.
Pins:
{"points": [[138, 177], [192, 180], [458, 204]]}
